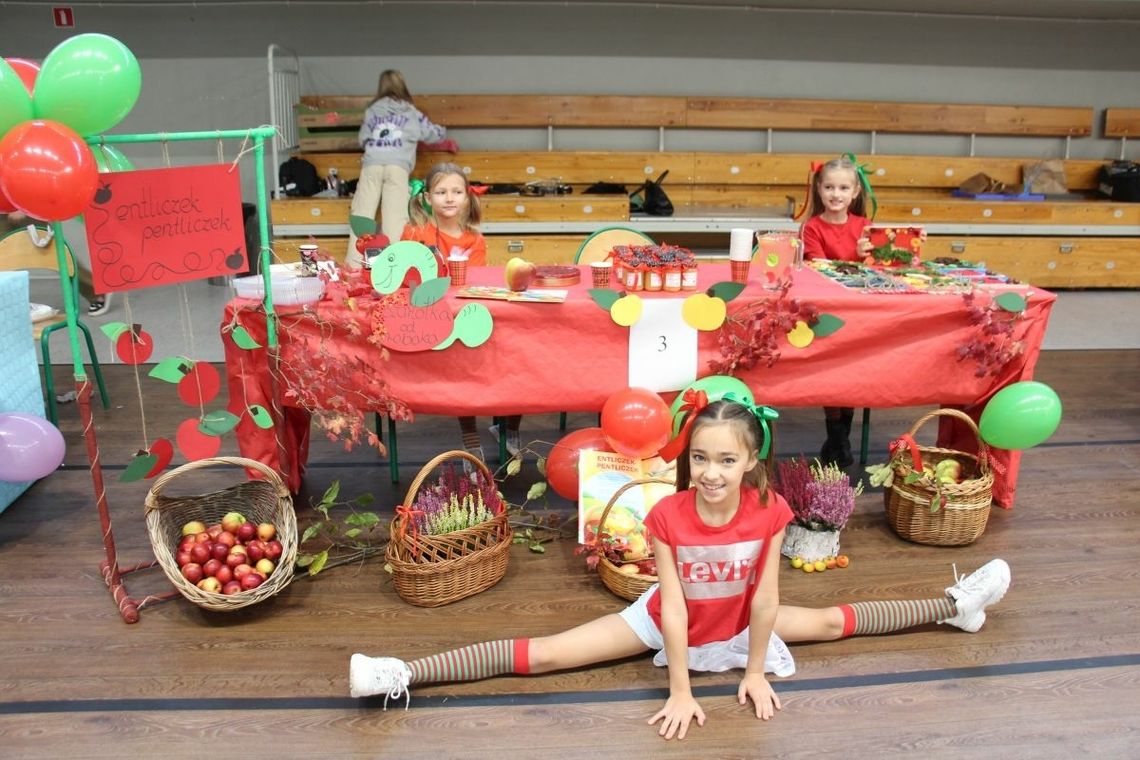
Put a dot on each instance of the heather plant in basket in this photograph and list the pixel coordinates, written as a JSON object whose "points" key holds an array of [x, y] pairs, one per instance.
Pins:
{"points": [[455, 502], [821, 496]]}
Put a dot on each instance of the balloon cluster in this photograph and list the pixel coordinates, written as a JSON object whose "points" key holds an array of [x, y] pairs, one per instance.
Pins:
{"points": [[30, 447], [86, 85]]}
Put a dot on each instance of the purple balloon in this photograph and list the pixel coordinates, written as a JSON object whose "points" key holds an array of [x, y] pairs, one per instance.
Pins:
{"points": [[30, 447]]}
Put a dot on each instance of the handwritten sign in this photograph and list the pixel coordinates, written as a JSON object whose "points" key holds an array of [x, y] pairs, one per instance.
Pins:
{"points": [[416, 328], [662, 347], [162, 226]]}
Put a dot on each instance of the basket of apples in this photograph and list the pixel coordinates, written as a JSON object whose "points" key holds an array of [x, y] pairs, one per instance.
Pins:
{"points": [[226, 549], [624, 563]]}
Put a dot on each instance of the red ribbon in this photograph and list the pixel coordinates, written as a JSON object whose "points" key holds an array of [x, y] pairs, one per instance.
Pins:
{"points": [[694, 401], [907, 440], [815, 167], [407, 517]]}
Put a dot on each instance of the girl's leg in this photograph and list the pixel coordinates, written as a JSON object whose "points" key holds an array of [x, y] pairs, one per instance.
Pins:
{"points": [[365, 201], [470, 436], [606, 638], [963, 607], [394, 203]]}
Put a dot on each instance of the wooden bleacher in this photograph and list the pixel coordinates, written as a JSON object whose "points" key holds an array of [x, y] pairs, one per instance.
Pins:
{"points": [[1078, 241]]}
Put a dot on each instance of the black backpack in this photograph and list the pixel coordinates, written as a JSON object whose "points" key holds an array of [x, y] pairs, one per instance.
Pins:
{"points": [[1120, 181], [298, 177], [651, 199]]}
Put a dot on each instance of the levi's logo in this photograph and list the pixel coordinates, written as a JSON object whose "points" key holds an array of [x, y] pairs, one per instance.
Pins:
{"points": [[712, 572]]}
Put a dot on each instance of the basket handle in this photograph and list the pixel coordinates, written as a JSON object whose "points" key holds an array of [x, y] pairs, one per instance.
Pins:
{"points": [[270, 474], [983, 457], [436, 461], [625, 487]]}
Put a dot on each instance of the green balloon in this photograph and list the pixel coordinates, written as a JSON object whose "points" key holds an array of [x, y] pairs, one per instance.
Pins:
{"points": [[108, 158], [714, 386], [89, 82], [15, 105], [1020, 416]]}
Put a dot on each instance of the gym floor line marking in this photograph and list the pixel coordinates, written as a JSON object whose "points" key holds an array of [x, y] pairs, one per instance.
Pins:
{"points": [[64, 706]]}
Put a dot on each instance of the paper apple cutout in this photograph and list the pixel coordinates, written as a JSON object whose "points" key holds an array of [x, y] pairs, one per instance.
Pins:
{"points": [[626, 310], [704, 312], [134, 345], [200, 385]]}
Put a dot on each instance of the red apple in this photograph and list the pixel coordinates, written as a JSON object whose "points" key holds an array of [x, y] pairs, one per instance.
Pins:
{"points": [[265, 567], [266, 531], [246, 532], [218, 550], [186, 542], [210, 584], [214, 530], [519, 273], [225, 574], [273, 550], [233, 560], [242, 570], [202, 537], [227, 538], [192, 572], [211, 568], [192, 527], [182, 557], [232, 521], [255, 550], [231, 588], [200, 553], [251, 580]]}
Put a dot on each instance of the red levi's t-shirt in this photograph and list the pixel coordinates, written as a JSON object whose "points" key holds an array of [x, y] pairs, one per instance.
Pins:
{"points": [[824, 240], [719, 567]]}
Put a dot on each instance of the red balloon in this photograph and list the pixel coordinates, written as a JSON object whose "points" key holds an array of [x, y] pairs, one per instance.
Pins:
{"points": [[47, 171], [6, 206], [562, 464], [26, 70], [636, 422]]}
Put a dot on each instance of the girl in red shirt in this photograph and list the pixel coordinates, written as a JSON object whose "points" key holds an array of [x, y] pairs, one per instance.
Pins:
{"points": [[716, 605]]}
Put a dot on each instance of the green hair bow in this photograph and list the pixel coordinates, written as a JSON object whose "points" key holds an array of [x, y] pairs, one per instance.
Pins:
{"points": [[861, 170], [763, 415]]}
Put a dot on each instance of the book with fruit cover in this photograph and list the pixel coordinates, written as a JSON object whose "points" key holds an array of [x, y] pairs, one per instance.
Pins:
{"points": [[506, 294], [601, 474]]}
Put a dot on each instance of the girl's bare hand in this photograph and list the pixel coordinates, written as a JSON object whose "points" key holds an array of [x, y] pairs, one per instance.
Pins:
{"points": [[676, 716], [755, 686]]}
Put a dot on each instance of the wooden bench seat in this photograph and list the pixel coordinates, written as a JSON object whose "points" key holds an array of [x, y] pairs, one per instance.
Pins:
{"points": [[1122, 122]]}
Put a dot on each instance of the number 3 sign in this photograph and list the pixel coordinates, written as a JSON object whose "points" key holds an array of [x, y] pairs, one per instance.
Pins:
{"points": [[662, 347]]}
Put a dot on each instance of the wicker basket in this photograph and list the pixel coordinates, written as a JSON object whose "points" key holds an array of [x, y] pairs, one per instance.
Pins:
{"points": [[626, 585], [431, 571], [963, 519], [259, 500]]}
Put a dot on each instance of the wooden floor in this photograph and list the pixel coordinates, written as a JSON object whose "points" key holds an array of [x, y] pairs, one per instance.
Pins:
{"points": [[1055, 672]]}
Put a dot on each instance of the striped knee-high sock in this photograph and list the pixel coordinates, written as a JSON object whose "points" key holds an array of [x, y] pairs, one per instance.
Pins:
{"points": [[474, 662], [872, 618], [469, 432]]}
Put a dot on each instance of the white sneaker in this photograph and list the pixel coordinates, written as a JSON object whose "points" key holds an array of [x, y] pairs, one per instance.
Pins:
{"points": [[389, 676], [976, 591], [513, 441]]}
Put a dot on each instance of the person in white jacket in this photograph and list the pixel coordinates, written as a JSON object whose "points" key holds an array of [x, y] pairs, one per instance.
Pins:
{"points": [[389, 133]]}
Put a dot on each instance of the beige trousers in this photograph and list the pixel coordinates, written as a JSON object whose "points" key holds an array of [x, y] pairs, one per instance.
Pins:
{"points": [[386, 188]]}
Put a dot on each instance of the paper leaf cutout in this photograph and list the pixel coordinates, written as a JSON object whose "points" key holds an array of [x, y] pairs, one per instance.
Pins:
{"points": [[172, 369], [430, 292], [604, 297], [361, 225], [114, 329], [193, 443], [260, 416], [726, 291], [473, 326], [218, 423], [138, 467], [1011, 302], [801, 336], [826, 325], [163, 451], [242, 339]]}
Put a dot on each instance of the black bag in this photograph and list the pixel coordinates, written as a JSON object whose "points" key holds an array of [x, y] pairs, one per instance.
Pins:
{"points": [[1120, 181], [298, 178], [651, 199], [605, 188]]}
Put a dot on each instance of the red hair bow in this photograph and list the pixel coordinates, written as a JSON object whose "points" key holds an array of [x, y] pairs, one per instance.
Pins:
{"points": [[694, 402]]}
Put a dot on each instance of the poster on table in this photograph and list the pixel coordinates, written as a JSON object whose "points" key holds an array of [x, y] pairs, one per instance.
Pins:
{"points": [[164, 226], [601, 474]]}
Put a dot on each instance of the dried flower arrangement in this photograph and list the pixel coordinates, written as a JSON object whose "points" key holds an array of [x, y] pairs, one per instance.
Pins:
{"points": [[751, 334], [821, 496]]}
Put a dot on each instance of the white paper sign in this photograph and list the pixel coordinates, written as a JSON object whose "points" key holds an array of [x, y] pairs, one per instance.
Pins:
{"points": [[662, 347]]}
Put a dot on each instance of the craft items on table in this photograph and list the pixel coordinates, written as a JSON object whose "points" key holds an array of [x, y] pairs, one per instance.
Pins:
{"points": [[943, 275]]}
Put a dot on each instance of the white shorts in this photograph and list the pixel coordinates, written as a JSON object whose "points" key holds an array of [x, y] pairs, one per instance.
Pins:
{"points": [[713, 657]]}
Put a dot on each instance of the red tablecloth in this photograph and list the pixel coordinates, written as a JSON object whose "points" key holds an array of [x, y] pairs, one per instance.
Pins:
{"points": [[894, 350]]}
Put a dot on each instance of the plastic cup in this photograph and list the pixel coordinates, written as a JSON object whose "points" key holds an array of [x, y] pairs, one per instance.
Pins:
{"points": [[457, 266], [602, 272]]}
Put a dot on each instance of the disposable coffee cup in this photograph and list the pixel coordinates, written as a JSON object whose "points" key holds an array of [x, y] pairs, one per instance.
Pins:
{"points": [[457, 267], [602, 272], [740, 254]]}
